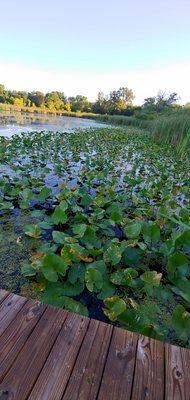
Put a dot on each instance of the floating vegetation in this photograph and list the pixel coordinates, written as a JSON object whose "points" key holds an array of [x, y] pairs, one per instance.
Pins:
{"points": [[108, 222]]}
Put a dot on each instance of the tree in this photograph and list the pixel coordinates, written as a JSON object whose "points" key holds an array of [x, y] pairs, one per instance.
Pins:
{"points": [[2, 94], [161, 102], [101, 105], [37, 98], [79, 103], [55, 100], [120, 99]]}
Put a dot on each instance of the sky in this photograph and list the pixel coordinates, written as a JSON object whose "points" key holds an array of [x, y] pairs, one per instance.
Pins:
{"points": [[83, 47]]}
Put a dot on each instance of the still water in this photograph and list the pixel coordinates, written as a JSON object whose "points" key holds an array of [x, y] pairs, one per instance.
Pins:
{"points": [[14, 123]]}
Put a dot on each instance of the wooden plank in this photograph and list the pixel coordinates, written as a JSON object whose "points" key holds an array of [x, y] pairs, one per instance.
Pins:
{"points": [[58, 367], [20, 379], [87, 373], [9, 308], [118, 375], [3, 294], [15, 336], [149, 370], [177, 373]]}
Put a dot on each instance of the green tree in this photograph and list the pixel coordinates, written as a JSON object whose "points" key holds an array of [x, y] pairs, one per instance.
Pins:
{"points": [[101, 104], [161, 102], [120, 99], [80, 103], [36, 98], [55, 100], [2, 94]]}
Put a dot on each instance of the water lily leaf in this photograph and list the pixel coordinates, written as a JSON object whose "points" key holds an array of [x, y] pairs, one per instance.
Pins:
{"points": [[177, 261], [151, 232], [45, 224], [44, 193], [59, 237], [182, 289], [129, 275], [184, 240], [33, 231], [117, 277], [114, 307], [76, 272], [86, 200], [59, 216], [90, 239], [67, 254], [133, 230], [113, 254], [131, 256], [168, 247], [93, 279], [151, 278], [107, 290], [50, 274], [79, 229], [52, 265], [27, 270], [99, 265], [75, 306], [115, 213], [181, 322]]}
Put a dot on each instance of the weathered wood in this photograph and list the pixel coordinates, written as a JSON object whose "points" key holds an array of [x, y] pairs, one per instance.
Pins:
{"points": [[9, 308], [177, 371], [87, 373], [3, 294], [20, 379], [15, 336], [149, 370], [61, 360], [118, 375], [47, 353]]}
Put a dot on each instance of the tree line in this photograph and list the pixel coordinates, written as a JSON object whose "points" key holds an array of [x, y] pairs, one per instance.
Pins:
{"points": [[117, 102]]}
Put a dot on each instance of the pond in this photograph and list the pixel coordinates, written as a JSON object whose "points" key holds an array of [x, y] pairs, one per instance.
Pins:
{"points": [[98, 222], [12, 123]]}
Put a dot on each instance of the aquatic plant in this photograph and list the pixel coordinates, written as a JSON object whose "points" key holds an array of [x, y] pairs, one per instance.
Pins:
{"points": [[111, 211]]}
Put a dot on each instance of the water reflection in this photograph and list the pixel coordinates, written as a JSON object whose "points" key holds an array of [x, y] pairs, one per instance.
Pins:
{"points": [[14, 123]]}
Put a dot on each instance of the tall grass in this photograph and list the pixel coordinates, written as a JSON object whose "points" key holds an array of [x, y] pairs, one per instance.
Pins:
{"points": [[123, 120], [173, 129]]}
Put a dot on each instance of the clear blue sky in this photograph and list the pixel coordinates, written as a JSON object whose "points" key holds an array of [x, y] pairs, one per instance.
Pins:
{"points": [[99, 37]]}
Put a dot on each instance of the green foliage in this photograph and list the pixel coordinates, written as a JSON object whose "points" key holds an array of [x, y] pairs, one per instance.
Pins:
{"points": [[115, 226], [93, 279], [114, 306]]}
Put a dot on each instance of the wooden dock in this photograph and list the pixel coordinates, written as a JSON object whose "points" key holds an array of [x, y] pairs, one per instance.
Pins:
{"points": [[47, 353]]}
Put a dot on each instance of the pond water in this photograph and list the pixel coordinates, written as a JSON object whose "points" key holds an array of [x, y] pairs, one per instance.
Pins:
{"points": [[17, 122]]}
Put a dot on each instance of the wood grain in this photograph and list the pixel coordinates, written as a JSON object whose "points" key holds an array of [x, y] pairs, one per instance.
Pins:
{"points": [[87, 373], [58, 367], [15, 336], [47, 353], [9, 308], [3, 294], [20, 379], [149, 370], [177, 369], [118, 375]]}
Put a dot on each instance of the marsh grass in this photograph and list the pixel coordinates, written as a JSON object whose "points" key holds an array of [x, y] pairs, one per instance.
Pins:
{"points": [[173, 128]]}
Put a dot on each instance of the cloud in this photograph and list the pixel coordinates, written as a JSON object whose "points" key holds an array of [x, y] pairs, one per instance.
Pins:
{"points": [[144, 82]]}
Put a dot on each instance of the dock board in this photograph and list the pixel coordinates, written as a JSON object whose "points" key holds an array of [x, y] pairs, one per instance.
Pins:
{"points": [[47, 353]]}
